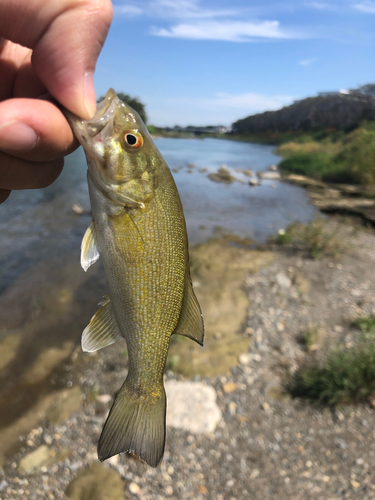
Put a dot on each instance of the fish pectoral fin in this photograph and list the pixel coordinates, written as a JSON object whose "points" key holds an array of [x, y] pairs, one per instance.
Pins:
{"points": [[102, 329], [89, 250], [190, 323]]}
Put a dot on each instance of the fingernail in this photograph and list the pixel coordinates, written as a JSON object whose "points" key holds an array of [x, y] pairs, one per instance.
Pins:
{"points": [[16, 136], [89, 94]]}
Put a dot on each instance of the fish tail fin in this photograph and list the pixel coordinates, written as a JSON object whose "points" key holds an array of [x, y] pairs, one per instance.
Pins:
{"points": [[135, 424]]}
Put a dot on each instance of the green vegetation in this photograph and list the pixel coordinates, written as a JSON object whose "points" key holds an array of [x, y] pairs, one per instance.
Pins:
{"points": [[313, 238], [348, 376], [367, 326], [309, 339], [333, 156]]}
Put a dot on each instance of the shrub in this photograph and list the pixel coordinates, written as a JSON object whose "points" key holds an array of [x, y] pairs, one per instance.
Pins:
{"points": [[348, 376]]}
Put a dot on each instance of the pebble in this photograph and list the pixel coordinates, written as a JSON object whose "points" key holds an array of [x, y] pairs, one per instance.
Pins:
{"points": [[245, 358], [104, 398], [229, 387], [134, 488], [232, 407], [169, 491], [283, 281]]}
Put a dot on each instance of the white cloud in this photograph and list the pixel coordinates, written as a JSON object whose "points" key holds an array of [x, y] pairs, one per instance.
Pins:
{"points": [[366, 6], [320, 5], [307, 62], [248, 102], [127, 10], [185, 9], [232, 31], [164, 9]]}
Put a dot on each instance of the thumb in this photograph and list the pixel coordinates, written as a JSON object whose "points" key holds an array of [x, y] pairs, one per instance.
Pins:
{"points": [[64, 58]]}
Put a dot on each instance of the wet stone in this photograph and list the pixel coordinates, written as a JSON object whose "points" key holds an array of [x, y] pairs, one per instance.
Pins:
{"points": [[96, 482]]}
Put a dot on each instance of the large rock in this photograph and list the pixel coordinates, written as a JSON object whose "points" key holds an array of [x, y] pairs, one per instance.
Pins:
{"points": [[66, 402], [192, 406], [269, 176], [42, 457], [222, 175], [96, 482]]}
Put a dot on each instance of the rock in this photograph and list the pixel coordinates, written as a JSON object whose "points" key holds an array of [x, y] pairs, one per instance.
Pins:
{"points": [[283, 280], [42, 457], [169, 491], [134, 488], [232, 407], [65, 403], [254, 182], [245, 358], [269, 176], [76, 207], [96, 482], [222, 175], [104, 398], [272, 168], [248, 173], [192, 406], [229, 387], [303, 181]]}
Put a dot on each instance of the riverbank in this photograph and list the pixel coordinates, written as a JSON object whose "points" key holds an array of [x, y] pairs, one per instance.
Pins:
{"points": [[262, 444]]}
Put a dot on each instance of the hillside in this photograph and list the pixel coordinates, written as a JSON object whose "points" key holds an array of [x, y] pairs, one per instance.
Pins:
{"points": [[333, 110]]}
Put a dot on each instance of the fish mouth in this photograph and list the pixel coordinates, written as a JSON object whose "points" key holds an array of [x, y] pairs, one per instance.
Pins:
{"points": [[86, 129]]}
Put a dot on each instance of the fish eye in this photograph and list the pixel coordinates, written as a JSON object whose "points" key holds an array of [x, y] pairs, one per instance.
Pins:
{"points": [[133, 139]]}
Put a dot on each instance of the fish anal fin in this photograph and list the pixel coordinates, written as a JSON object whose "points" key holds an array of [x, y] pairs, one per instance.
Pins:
{"points": [[135, 425], [102, 329], [89, 250], [190, 323]]}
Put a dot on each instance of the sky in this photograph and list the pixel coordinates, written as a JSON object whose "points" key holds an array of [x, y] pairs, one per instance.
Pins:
{"points": [[206, 62]]}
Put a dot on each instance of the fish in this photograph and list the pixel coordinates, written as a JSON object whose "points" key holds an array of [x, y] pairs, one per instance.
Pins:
{"points": [[139, 232]]}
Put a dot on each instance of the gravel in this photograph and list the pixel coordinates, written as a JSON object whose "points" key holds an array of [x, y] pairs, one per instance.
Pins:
{"points": [[266, 445]]}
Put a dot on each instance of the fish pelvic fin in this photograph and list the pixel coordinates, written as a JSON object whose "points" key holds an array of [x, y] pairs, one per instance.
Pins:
{"points": [[102, 329], [89, 250], [190, 323], [135, 424]]}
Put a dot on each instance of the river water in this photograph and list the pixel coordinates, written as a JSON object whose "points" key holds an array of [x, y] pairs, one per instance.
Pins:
{"points": [[37, 225]]}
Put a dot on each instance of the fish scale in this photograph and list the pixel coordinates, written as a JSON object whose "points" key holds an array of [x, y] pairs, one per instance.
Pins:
{"points": [[139, 231]]}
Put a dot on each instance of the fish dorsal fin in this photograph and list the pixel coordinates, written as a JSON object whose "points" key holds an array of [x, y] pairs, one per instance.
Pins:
{"points": [[89, 250], [102, 329], [190, 323]]}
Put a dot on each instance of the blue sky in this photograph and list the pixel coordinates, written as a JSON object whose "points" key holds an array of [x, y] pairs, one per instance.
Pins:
{"points": [[207, 62]]}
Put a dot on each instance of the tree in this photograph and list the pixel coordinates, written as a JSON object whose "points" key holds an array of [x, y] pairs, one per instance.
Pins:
{"points": [[134, 102]]}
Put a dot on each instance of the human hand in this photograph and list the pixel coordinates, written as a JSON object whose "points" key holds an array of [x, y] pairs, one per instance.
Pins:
{"points": [[46, 47]]}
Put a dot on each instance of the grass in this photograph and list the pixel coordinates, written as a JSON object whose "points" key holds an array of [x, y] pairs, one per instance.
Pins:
{"points": [[314, 238], [347, 377], [333, 156], [309, 339], [367, 326]]}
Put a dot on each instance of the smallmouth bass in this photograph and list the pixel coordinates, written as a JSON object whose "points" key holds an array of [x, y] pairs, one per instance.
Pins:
{"points": [[139, 231]]}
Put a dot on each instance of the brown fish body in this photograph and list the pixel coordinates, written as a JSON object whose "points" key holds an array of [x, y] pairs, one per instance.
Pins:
{"points": [[139, 231]]}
